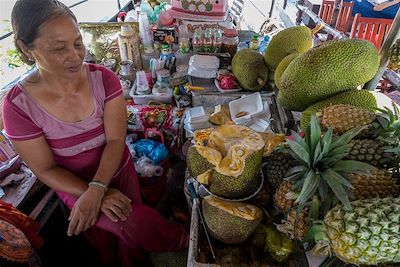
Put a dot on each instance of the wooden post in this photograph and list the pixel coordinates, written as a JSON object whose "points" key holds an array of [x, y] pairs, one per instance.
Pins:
{"points": [[390, 39]]}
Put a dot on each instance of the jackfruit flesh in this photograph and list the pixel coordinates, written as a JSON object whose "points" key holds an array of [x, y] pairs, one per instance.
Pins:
{"points": [[233, 153], [220, 115], [327, 70]]}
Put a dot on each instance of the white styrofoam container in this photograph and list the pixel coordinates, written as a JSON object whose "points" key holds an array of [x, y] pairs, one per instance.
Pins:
{"points": [[197, 115], [144, 99], [258, 125], [204, 62], [252, 104]]}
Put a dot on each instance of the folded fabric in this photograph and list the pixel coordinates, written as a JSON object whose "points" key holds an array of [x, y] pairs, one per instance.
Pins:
{"points": [[26, 224]]}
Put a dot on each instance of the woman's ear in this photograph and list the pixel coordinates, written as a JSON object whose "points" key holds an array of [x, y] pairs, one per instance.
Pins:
{"points": [[24, 49]]}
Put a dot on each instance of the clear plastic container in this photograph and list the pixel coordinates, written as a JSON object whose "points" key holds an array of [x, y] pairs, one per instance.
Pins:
{"points": [[230, 41]]}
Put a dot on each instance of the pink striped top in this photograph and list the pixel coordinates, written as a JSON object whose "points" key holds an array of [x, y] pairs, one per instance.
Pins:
{"points": [[77, 146]]}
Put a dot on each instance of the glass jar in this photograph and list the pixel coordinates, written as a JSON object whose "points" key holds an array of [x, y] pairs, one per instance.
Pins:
{"points": [[207, 41], [217, 41], [230, 41], [197, 41]]}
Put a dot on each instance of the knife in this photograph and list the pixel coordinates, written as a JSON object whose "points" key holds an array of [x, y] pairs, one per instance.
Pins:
{"points": [[196, 202]]}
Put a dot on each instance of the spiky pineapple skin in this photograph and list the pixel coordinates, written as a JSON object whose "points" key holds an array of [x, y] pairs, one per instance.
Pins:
{"points": [[345, 117], [277, 165], [369, 233], [300, 222], [284, 197], [380, 183], [369, 151], [394, 56]]}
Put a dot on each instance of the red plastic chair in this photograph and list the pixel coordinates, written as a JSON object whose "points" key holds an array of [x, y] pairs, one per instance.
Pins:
{"points": [[371, 29], [326, 11], [344, 19]]}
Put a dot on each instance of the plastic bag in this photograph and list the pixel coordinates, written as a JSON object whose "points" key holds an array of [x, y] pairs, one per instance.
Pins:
{"points": [[146, 168], [157, 152]]}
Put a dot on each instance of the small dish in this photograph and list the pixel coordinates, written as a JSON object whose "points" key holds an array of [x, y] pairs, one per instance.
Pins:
{"points": [[217, 84]]}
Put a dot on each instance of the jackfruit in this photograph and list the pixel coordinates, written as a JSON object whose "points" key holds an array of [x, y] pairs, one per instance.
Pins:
{"points": [[229, 160], [283, 65], [250, 70], [220, 115], [230, 222], [324, 71], [297, 39], [359, 98]]}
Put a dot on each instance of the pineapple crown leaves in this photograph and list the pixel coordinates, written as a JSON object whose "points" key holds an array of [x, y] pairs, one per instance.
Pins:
{"points": [[321, 167], [387, 125]]}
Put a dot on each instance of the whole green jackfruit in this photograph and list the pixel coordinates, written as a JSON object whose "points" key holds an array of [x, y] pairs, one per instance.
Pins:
{"points": [[297, 39], [283, 65], [359, 98], [230, 222], [250, 70], [324, 71]]}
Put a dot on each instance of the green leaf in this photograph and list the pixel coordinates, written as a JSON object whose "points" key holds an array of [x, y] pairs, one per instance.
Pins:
{"points": [[295, 170], [298, 139], [352, 165], [323, 190], [326, 142], [315, 133], [314, 210], [339, 191], [309, 187], [337, 178], [347, 136], [317, 155], [300, 151]]}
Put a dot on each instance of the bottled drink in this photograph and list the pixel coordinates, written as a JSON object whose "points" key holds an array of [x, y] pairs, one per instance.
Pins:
{"points": [[197, 41], [217, 41], [207, 42]]}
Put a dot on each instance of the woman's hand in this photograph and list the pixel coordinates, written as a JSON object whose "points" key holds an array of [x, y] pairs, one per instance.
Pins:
{"points": [[85, 211], [116, 205]]}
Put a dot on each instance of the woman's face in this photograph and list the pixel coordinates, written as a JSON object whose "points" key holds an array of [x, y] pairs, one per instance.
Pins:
{"points": [[59, 49]]}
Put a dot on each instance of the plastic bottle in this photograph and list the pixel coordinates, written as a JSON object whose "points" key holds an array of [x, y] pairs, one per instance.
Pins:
{"points": [[254, 42], [183, 54], [132, 15], [145, 32], [126, 43]]}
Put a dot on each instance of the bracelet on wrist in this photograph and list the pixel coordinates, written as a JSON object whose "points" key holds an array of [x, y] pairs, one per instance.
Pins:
{"points": [[98, 184]]}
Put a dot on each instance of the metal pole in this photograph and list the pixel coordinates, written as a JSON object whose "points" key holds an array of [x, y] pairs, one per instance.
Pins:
{"points": [[391, 38], [299, 12], [272, 8]]}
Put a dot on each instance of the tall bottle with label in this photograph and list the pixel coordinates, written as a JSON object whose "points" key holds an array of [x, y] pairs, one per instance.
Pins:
{"points": [[197, 41], [183, 54], [126, 43], [145, 32]]}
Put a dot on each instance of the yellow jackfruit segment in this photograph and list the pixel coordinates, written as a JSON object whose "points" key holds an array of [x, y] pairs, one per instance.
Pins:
{"points": [[220, 115], [239, 209], [211, 155], [205, 177], [272, 140], [226, 136], [233, 164], [201, 136]]}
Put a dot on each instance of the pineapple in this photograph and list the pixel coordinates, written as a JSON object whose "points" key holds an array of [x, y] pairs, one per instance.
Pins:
{"points": [[370, 151], [380, 183], [296, 224], [277, 165], [321, 168], [394, 56], [345, 117], [368, 233], [285, 196]]}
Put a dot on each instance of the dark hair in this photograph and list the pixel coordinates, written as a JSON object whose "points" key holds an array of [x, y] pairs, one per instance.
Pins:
{"points": [[28, 15]]}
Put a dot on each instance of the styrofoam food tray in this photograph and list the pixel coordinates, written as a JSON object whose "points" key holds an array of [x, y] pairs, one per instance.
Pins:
{"points": [[252, 104]]}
